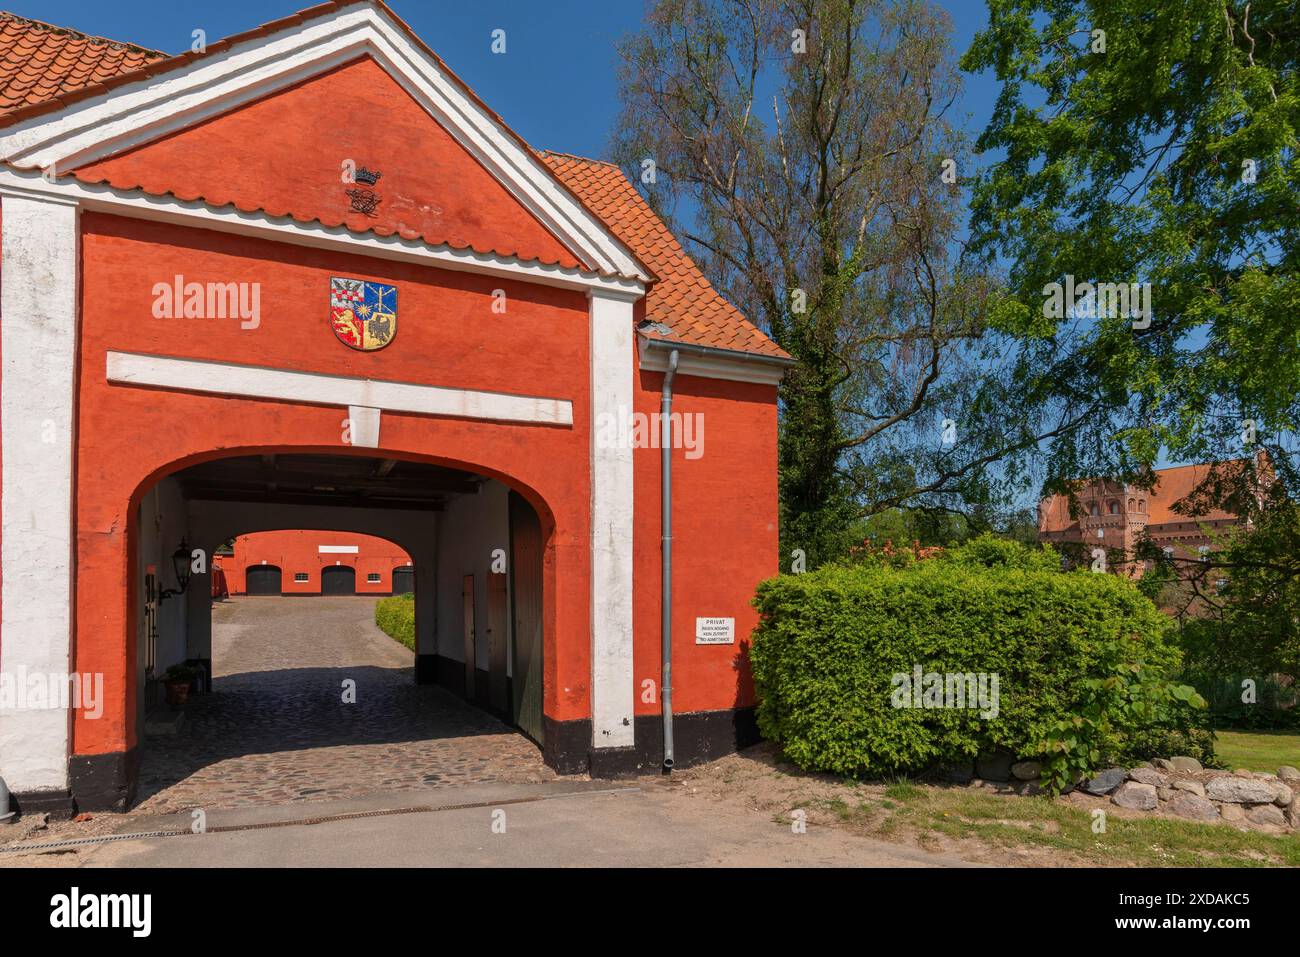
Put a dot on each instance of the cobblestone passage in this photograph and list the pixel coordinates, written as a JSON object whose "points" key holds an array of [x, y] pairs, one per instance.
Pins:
{"points": [[276, 728]]}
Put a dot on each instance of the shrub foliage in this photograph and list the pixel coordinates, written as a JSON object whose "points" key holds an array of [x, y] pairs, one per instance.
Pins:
{"points": [[1080, 660], [396, 618]]}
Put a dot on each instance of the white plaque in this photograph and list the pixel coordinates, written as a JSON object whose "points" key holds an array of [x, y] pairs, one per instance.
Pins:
{"points": [[715, 631]]}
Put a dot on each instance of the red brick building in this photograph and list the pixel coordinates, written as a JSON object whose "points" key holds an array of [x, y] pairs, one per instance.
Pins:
{"points": [[307, 279], [305, 562], [1115, 517]]}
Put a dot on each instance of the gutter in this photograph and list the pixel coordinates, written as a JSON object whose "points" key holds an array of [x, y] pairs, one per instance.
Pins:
{"points": [[710, 361]]}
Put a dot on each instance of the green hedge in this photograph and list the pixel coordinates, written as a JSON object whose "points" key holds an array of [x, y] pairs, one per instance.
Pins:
{"points": [[396, 618], [831, 641]]}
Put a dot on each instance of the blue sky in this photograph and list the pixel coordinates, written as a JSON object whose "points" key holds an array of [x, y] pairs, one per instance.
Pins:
{"points": [[555, 84]]}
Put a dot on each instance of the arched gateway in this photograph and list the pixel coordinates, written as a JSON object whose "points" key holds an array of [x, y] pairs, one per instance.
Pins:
{"points": [[312, 248]]}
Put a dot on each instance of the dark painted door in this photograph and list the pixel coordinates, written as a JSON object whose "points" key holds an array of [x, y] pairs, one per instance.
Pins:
{"points": [[403, 580], [526, 601], [498, 627], [469, 637], [338, 580], [262, 580]]}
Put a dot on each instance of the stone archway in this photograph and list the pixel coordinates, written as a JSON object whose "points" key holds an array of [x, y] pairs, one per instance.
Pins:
{"points": [[187, 500]]}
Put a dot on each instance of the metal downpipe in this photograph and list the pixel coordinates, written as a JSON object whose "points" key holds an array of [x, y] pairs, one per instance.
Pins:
{"points": [[666, 548]]}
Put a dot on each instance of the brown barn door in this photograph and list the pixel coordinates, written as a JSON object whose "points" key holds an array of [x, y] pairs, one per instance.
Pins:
{"points": [[338, 580], [262, 580], [467, 606], [526, 593], [497, 628]]}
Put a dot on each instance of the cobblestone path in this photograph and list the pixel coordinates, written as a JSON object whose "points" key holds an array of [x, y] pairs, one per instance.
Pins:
{"points": [[276, 728]]}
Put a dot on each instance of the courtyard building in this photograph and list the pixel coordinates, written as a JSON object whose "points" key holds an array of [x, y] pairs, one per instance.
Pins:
{"points": [[307, 279]]}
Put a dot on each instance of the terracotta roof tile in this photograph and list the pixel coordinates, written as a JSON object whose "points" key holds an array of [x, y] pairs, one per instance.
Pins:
{"points": [[40, 62], [681, 297]]}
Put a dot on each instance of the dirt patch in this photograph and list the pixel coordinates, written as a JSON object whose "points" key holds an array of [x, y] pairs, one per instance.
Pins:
{"points": [[757, 778], [986, 824]]}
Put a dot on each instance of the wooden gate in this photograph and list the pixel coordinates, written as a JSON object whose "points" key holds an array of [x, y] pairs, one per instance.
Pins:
{"points": [[526, 598]]}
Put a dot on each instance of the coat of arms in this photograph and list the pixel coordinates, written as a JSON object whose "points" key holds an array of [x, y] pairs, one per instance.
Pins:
{"points": [[363, 314]]}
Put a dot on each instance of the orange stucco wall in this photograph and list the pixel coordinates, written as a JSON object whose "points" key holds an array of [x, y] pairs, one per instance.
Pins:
{"points": [[128, 437], [724, 538], [298, 551]]}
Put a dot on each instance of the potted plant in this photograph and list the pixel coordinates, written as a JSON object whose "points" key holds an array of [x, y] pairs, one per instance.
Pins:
{"points": [[178, 680]]}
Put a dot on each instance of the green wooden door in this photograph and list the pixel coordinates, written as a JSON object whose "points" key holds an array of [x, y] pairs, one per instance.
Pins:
{"points": [[526, 601]]}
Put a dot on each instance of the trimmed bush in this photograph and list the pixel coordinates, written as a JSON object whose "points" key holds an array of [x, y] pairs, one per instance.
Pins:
{"points": [[1076, 654], [396, 618]]}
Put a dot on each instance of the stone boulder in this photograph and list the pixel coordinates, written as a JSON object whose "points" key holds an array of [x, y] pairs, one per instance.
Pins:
{"points": [[994, 767], [1149, 776], [1164, 764], [1293, 813], [1107, 781], [1193, 807], [1267, 814], [1136, 796], [1185, 764], [1232, 813], [1233, 790], [1026, 770], [959, 773], [1191, 787], [1288, 774], [1282, 795]]}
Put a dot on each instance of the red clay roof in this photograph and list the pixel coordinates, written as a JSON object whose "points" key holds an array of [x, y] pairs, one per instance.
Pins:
{"points": [[1172, 486], [40, 63], [681, 298], [45, 67]]}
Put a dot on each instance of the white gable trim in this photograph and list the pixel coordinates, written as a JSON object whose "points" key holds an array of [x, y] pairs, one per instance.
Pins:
{"points": [[135, 113], [168, 209]]}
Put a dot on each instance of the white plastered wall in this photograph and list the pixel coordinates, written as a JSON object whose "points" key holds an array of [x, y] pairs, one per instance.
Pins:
{"points": [[38, 341]]}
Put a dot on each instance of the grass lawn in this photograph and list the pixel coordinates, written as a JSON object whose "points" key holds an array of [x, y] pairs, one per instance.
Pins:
{"points": [[1048, 825], [1258, 750]]}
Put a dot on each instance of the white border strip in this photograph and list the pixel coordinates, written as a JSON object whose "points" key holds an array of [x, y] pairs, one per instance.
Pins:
{"points": [[613, 513], [167, 209], [259, 382]]}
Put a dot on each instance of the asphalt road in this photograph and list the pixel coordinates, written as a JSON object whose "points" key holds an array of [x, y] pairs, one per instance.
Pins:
{"points": [[555, 824]]}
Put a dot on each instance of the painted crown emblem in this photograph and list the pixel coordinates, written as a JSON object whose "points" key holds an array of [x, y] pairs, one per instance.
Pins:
{"points": [[369, 177]]}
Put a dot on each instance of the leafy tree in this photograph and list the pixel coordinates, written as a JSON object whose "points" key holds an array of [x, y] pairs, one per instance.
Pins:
{"points": [[1151, 143], [809, 144], [1252, 626]]}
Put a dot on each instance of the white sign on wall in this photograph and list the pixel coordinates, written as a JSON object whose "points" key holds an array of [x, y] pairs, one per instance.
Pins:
{"points": [[715, 631]]}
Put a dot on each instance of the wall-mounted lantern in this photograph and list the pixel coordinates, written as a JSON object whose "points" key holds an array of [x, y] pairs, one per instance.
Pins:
{"points": [[181, 566]]}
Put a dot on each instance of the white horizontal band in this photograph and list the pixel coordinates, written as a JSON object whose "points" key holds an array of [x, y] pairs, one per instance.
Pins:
{"points": [[259, 382]]}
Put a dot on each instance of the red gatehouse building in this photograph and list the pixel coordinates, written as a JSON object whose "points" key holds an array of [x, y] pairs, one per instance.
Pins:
{"points": [[1115, 517], [225, 311], [307, 562]]}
